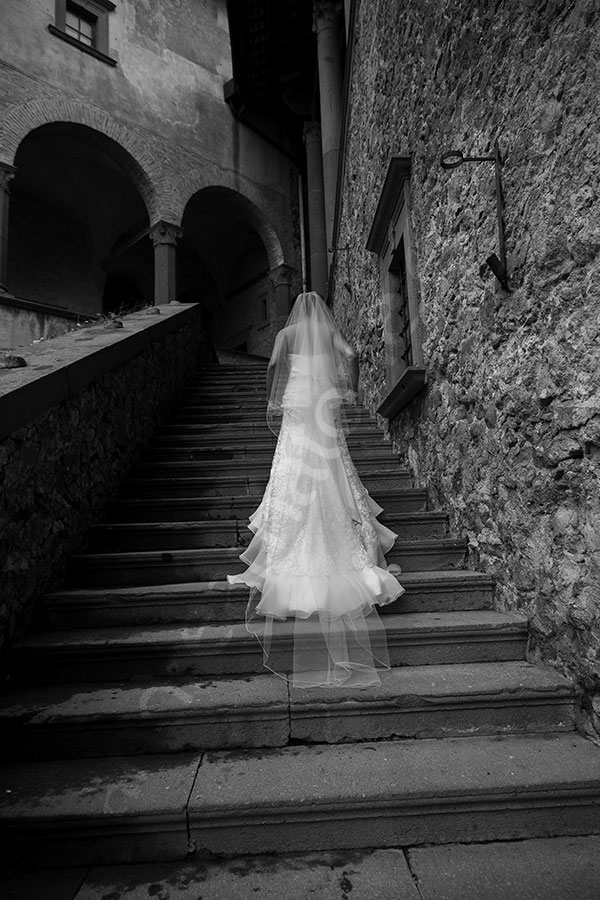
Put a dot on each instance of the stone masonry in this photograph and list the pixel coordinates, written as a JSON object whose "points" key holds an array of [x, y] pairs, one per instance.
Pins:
{"points": [[58, 469]]}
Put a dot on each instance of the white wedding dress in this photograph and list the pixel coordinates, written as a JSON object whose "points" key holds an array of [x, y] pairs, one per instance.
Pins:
{"points": [[316, 561]]}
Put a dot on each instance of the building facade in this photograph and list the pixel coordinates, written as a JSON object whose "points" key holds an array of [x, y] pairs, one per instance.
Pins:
{"points": [[127, 179]]}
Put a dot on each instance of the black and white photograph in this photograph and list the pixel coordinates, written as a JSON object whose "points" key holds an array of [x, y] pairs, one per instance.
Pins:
{"points": [[300, 449]]}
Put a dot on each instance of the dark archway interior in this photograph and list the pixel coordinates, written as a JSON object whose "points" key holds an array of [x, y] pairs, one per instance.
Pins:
{"points": [[78, 225], [224, 264]]}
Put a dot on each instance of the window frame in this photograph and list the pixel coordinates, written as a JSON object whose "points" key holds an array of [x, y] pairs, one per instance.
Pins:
{"points": [[82, 16], [99, 11], [390, 234]]}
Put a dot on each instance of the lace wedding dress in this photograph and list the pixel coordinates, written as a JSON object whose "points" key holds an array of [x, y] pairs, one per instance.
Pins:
{"points": [[315, 564]]}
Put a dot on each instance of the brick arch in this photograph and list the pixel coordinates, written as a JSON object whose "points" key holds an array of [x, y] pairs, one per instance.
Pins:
{"points": [[259, 211], [131, 152]]}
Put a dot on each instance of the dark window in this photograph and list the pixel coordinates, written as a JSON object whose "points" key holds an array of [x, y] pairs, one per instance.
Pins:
{"points": [[264, 307], [398, 269]]}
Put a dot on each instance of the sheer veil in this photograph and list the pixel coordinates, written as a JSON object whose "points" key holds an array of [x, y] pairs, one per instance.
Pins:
{"points": [[311, 343], [316, 564]]}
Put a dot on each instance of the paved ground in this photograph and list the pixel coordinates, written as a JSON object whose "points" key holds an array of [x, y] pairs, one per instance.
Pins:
{"points": [[551, 869]]}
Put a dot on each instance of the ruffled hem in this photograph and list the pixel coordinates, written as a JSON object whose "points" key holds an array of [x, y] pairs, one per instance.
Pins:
{"points": [[286, 596]]}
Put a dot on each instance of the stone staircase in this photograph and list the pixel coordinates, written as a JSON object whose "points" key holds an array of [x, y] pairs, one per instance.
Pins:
{"points": [[139, 723]]}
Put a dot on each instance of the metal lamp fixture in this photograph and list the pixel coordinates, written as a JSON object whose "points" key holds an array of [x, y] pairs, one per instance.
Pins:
{"points": [[455, 158]]}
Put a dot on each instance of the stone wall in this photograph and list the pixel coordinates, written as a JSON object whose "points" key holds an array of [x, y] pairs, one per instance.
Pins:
{"points": [[71, 424], [507, 434]]}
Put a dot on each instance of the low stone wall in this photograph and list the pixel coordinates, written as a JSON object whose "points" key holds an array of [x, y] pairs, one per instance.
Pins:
{"points": [[507, 434], [71, 424]]}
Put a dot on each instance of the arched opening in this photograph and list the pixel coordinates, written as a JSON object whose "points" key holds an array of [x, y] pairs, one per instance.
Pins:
{"points": [[223, 263], [78, 224]]}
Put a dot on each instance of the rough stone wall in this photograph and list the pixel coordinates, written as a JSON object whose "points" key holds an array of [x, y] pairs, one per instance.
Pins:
{"points": [[507, 434], [58, 471]]}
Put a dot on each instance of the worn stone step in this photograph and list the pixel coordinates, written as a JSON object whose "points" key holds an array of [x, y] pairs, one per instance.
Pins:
{"points": [[396, 793], [299, 799], [236, 374], [369, 469], [173, 509], [224, 380], [120, 719], [129, 536], [59, 721], [214, 457], [179, 480], [82, 811], [220, 369], [228, 403], [217, 601], [218, 431], [187, 413], [248, 442], [215, 563], [115, 653]]}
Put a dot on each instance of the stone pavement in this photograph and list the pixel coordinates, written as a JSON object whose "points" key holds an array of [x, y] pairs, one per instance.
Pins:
{"points": [[540, 869]]}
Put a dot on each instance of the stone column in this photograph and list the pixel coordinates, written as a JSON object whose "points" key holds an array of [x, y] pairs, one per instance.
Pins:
{"points": [[164, 237], [281, 278], [6, 174], [316, 208], [326, 24]]}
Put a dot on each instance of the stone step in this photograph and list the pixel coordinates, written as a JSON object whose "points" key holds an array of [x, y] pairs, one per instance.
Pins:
{"points": [[82, 811], [218, 379], [299, 799], [368, 468], [212, 401], [115, 653], [179, 480], [221, 370], [60, 721], [216, 601], [243, 413], [251, 385], [215, 563], [221, 380], [249, 442], [218, 431], [238, 455], [174, 509], [403, 792], [129, 536]]}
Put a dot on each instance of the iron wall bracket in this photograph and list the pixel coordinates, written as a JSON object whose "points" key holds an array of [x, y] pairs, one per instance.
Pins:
{"points": [[455, 158]]}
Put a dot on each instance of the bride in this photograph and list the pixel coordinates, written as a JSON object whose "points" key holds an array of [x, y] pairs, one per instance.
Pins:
{"points": [[315, 564]]}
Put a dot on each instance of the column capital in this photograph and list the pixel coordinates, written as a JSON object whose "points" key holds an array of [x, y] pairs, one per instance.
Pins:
{"points": [[282, 274], [311, 132], [165, 233], [7, 173], [326, 14]]}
